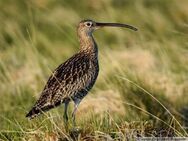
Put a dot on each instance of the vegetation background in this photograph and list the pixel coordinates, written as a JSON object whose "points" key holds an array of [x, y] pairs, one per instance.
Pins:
{"points": [[142, 89]]}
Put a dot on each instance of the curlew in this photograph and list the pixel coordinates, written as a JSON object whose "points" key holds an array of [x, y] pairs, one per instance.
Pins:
{"points": [[73, 79]]}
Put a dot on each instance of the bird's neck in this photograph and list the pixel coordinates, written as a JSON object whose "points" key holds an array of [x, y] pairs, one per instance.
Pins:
{"points": [[88, 44]]}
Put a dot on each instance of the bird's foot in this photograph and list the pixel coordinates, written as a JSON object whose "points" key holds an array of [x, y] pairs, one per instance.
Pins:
{"points": [[75, 132]]}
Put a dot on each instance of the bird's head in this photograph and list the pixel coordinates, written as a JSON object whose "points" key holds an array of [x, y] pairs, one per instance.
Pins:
{"points": [[88, 26]]}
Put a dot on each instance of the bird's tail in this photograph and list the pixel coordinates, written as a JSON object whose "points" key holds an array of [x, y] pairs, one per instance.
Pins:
{"points": [[35, 111]]}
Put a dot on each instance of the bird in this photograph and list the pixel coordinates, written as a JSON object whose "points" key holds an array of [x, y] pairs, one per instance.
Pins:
{"points": [[73, 79]]}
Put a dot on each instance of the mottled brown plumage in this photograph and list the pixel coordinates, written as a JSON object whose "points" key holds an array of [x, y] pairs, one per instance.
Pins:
{"points": [[74, 78]]}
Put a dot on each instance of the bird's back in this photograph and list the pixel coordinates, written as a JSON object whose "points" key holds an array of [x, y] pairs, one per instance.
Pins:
{"points": [[70, 81]]}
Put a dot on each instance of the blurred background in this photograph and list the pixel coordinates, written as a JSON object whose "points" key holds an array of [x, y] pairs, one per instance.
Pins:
{"points": [[143, 79]]}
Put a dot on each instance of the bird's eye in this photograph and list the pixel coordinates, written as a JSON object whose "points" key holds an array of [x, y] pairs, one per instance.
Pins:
{"points": [[88, 24]]}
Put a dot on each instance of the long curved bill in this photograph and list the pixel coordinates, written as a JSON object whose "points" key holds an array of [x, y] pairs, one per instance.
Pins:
{"points": [[98, 25]]}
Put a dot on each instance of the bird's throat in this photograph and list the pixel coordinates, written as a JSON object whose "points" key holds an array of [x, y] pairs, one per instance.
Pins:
{"points": [[88, 44]]}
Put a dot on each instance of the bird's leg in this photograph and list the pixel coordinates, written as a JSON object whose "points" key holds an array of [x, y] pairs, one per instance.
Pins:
{"points": [[76, 103], [65, 116]]}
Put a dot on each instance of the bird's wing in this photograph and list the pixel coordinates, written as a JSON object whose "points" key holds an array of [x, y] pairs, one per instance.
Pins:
{"points": [[64, 81]]}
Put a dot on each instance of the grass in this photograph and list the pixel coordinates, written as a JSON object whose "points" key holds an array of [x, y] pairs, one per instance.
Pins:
{"points": [[142, 85]]}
